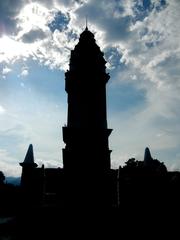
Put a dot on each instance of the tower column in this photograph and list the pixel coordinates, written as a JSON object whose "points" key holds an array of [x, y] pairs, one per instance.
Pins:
{"points": [[86, 156]]}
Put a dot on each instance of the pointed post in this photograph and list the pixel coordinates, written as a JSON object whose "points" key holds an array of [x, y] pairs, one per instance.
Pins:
{"points": [[86, 24], [147, 156], [29, 158], [28, 167]]}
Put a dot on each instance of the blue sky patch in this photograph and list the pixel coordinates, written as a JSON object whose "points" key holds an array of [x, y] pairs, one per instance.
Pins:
{"points": [[59, 22], [125, 97], [143, 8], [113, 56]]}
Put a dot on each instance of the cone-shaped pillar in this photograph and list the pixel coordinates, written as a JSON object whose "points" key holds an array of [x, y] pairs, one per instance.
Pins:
{"points": [[147, 156], [28, 167], [29, 158]]}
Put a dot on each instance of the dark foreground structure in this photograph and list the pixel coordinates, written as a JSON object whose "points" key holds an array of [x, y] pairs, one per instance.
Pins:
{"points": [[86, 196]]}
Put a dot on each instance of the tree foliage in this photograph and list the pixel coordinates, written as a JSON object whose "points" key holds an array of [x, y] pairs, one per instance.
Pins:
{"points": [[2, 177], [154, 166]]}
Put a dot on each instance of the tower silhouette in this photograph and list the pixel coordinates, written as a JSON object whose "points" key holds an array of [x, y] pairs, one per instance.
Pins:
{"points": [[28, 167], [86, 134], [147, 156], [86, 192], [86, 156]]}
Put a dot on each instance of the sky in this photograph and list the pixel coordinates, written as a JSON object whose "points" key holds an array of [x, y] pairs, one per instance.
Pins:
{"points": [[141, 43]]}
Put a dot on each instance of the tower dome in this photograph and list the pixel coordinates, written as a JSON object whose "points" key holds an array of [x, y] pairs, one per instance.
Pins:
{"points": [[87, 35]]}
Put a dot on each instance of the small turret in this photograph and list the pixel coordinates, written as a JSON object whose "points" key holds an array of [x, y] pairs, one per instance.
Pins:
{"points": [[28, 167], [29, 158]]}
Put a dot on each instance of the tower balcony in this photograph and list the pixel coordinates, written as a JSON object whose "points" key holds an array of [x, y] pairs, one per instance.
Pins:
{"points": [[75, 135], [74, 79]]}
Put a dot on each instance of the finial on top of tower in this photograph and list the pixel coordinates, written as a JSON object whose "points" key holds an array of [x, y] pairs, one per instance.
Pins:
{"points": [[87, 35], [86, 23]]}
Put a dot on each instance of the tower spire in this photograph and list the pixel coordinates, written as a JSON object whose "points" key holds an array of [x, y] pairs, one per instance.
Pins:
{"points": [[86, 23], [29, 158], [28, 167]]}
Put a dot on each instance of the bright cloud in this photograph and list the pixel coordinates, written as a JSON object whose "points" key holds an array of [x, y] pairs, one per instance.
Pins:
{"points": [[33, 15], [6, 70], [2, 109], [13, 50], [24, 72], [9, 164]]}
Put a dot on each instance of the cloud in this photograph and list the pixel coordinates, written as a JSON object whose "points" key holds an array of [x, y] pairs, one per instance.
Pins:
{"points": [[2, 109], [39, 37], [108, 17], [13, 50], [24, 73], [119, 25], [31, 117], [6, 70], [48, 163], [8, 164], [151, 54], [33, 35], [9, 9]]}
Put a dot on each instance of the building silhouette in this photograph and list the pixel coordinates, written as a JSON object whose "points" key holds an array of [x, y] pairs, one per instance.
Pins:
{"points": [[86, 157], [86, 173], [87, 185]]}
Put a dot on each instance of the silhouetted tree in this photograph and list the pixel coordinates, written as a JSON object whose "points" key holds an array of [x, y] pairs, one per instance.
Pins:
{"points": [[158, 166], [155, 166], [131, 163], [2, 178]]}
